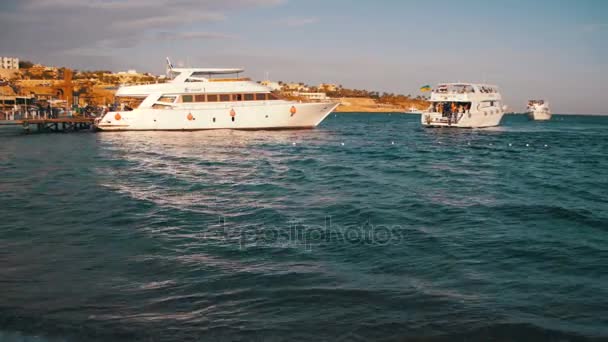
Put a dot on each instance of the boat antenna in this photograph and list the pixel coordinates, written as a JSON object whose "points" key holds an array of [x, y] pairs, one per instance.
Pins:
{"points": [[169, 68]]}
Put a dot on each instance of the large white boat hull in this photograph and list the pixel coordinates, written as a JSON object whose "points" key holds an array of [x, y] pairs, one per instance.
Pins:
{"points": [[255, 115], [539, 115], [481, 119]]}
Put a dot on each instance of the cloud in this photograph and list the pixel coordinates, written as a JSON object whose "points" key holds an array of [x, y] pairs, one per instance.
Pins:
{"points": [[298, 22], [192, 36], [41, 27]]}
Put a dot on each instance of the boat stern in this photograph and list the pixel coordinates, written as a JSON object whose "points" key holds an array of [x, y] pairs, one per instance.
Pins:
{"points": [[433, 119]]}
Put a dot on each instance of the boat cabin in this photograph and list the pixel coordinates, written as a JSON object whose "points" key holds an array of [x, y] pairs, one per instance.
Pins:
{"points": [[536, 102]]}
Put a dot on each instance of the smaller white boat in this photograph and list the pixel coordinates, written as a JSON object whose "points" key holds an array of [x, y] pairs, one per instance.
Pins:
{"points": [[464, 105], [413, 110], [538, 110]]}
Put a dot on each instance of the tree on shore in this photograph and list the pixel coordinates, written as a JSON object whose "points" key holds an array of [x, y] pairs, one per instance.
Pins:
{"points": [[25, 64]]}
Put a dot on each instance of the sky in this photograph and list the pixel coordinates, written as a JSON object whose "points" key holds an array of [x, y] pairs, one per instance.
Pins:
{"points": [[551, 49]]}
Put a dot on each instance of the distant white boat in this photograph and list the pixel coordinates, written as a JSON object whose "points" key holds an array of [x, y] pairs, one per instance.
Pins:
{"points": [[538, 110], [194, 100], [413, 110], [464, 105]]}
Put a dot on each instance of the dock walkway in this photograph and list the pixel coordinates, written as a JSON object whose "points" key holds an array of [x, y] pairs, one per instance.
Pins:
{"points": [[67, 124]]}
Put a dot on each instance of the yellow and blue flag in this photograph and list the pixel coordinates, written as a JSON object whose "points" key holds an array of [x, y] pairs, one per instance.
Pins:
{"points": [[425, 88]]}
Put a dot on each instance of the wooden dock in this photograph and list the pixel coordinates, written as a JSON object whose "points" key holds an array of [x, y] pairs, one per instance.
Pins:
{"points": [[66, 124]]}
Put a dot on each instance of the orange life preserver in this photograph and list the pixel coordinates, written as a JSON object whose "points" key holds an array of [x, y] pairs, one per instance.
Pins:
{"points": [[293, 110], [232, 112], [117, 116], [190, 117]]}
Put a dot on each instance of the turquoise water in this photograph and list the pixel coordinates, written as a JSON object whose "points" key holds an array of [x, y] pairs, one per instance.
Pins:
{"points": [[367, 228]]}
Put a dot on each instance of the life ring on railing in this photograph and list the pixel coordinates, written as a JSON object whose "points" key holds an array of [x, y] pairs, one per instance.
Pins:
{"points": [[293, 110], [190, 117], [117, 116], [232, 113]]}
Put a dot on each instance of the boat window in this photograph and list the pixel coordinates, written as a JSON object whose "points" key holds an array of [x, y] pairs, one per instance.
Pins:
{"points": [[126, 102], [160, 106], [485, 104], [260, 97], [187, 98], [199, 98], [169, 99], [224, 97], [248, 97], [448, 108], [272, 96], [212, 98], [456, 89], [237, 97], [200, 74]]}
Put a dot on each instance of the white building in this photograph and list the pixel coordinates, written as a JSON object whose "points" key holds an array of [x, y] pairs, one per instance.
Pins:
{"points": [[272, 85], [328, 87], [9, 63], [295, 87], [312, 96]]}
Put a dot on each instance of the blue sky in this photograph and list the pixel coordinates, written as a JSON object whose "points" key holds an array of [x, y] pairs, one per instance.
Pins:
{"points": [[557, 50]]}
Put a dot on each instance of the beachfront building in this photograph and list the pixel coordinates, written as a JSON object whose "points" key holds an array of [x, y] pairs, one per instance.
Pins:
{"points": [[39, 71], [9, 63], [328, 87], [312, 96], [295, 87], [274, 86], [128, 72]]}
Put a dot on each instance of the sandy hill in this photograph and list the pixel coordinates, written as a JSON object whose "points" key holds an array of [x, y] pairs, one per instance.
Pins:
{"points": [[362, 104]]}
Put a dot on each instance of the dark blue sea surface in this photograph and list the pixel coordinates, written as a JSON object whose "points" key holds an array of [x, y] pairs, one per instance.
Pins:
{"points": [[366, 228]]}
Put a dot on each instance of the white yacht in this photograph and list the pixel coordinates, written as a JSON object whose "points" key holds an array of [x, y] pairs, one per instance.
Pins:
{"points": [[539, 110], [195, 100], [464, 105]]}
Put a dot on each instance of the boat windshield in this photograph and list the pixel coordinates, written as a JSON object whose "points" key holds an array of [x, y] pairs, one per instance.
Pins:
{"points": [[454, 89], [464, 89], [209, 77], [126, 103]]}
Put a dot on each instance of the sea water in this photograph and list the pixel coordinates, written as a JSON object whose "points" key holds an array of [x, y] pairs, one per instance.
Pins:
{"points": [[369, 227]]}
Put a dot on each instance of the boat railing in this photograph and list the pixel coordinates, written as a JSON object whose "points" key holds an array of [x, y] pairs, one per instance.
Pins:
{"points": [[240, 79], [452, 119]]}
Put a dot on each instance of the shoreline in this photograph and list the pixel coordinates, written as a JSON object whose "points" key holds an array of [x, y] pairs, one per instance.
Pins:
{"points": [[374, 112]]}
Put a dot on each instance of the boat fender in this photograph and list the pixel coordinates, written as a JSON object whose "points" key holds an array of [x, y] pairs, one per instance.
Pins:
{"points": [[117, 116], [232, 113], [293, 110], [190, 117]]}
